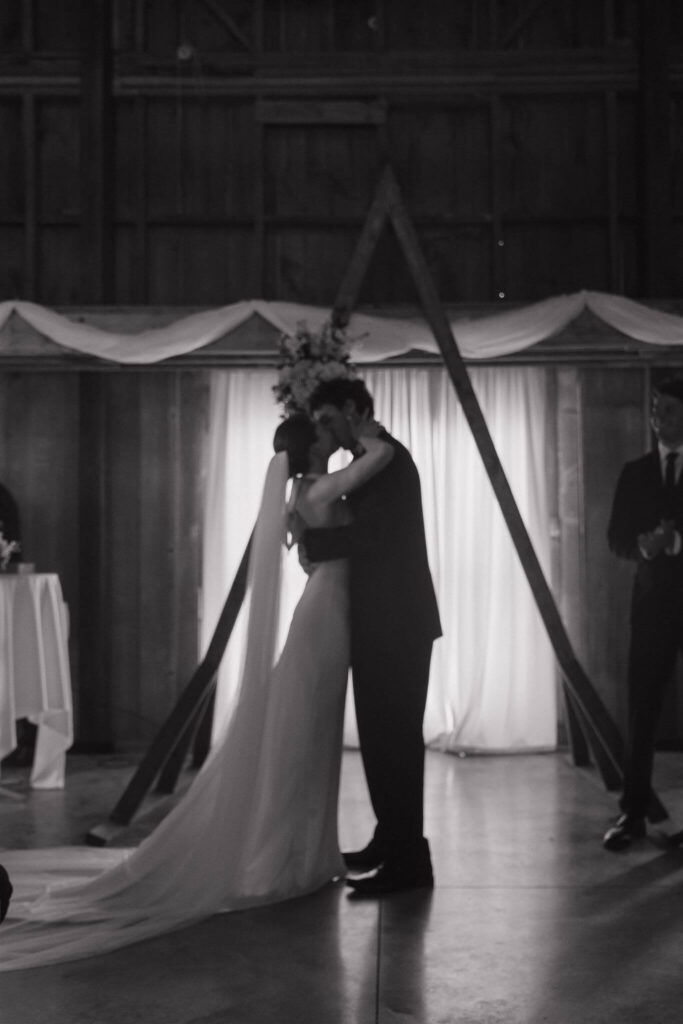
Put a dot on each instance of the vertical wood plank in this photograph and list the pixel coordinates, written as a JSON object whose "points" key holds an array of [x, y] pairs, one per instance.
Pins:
{"points": [[156, 513], [612, 411], [30, 283], [497, 239], [191, 482], [140, 26], [552, 473], [615, 271], [260, 286], [654, 149], [97, 152], [141, 206], [27, 26], [95, 609], [257, 27], [125, 636], [570, 507]]}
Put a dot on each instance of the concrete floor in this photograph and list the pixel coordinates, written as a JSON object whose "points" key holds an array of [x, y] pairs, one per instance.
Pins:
{"points": [[530, 921]]}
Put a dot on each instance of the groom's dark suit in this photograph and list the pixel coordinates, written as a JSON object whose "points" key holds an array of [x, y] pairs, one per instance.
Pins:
{"points": [[656, 613], [394, 621]]}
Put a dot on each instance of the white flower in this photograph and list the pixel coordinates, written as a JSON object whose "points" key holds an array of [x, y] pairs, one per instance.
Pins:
{"points": [[331, 370], [306, 358]]}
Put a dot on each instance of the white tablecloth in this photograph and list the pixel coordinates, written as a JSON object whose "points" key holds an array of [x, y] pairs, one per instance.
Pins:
{"points": [[35, 678]]}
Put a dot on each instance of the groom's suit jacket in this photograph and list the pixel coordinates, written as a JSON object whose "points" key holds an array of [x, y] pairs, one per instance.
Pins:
{"points": [[638, 507], [391, 590]]}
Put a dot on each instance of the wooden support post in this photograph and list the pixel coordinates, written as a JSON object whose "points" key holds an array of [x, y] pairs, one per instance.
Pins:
{"points": [[97, 153], [654, 150], [189, 704], [93, 706]]}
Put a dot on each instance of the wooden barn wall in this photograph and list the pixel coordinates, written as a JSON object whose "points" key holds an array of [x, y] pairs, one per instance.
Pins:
{"points": [[200, 152], [166, 152], [107, 469]]}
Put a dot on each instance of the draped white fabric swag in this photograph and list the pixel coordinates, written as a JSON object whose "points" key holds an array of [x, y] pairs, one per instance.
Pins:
{"points": [[375, 338], [492, 682]]}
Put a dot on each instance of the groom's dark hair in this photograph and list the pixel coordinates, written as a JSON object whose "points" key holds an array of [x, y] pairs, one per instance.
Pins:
{"points": [[295, 435], [336, 392]]}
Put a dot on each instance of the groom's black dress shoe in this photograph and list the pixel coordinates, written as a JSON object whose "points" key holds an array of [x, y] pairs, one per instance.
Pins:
{"points": [[621, 834], [5, 892], [393, 877], [367, 859]]}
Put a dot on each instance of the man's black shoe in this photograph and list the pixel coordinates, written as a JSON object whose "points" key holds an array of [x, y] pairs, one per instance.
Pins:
{"points": [[392, 878], [622, 833], [5, 892], [367, 859]]}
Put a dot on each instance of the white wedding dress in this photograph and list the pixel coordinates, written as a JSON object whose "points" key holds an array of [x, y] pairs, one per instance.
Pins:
{"points": [[259, 822]]}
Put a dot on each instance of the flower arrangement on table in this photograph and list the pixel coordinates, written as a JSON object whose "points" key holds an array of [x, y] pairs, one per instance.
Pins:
{"points": [[7, 549], [306, 359]]}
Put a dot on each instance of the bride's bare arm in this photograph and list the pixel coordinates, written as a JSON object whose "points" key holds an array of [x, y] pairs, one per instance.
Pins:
{"points": [[332, 486]]}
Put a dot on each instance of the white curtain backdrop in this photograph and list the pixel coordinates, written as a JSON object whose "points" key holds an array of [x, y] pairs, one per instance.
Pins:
{"points": [[492, 682]]}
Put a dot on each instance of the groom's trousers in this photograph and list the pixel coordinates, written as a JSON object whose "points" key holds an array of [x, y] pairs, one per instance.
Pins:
{"points": [[390, 690]]}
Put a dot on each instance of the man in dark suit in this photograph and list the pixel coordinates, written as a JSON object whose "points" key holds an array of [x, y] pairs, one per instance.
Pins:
{"points": [[646, 526], [394, 622]]}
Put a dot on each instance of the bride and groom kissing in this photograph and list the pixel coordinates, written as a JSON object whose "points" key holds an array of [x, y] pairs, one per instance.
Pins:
{"points": [[258, 824], [368, 518]]}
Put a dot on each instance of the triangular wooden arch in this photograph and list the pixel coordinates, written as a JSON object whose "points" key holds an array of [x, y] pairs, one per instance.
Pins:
{"points": [[588, 720], [589, 723]]}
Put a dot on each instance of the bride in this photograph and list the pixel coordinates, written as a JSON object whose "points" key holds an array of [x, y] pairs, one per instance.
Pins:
{"points": [[259, 822]]}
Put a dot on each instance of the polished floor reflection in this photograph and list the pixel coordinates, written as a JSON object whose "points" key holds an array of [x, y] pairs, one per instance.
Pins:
{"points": [[531, 921]]}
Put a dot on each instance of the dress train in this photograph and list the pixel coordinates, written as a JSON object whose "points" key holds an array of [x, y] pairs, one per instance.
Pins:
{"points": [[259, 822]]}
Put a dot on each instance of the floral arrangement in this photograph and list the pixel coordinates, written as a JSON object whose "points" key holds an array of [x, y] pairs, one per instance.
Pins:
{"points": [[306, 359], [7, 549]]}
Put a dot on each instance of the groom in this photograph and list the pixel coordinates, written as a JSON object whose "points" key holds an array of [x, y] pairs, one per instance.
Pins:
{"points": [[394, 622]]}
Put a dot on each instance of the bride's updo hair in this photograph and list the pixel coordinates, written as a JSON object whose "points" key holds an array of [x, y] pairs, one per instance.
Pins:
{"points": [[295, 435]]}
